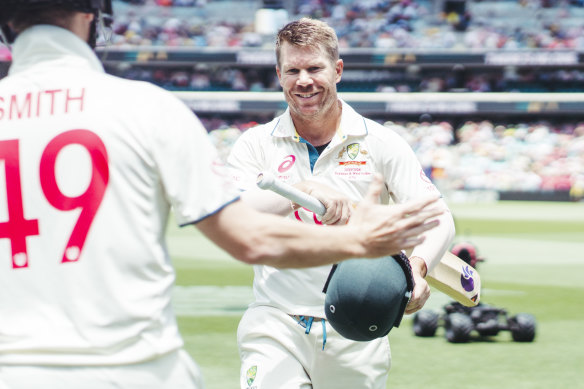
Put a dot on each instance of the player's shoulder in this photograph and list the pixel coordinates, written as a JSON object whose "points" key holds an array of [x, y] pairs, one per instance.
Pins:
{"points": [[382, 132], [262, 130], [371, 129]]}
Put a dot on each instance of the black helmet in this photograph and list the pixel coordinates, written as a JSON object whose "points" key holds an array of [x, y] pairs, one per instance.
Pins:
{"points": [[366, 298], [11, 7]]}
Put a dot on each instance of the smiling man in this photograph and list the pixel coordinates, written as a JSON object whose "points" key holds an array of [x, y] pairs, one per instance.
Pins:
{"points": [[322, 146], [309, 76]]}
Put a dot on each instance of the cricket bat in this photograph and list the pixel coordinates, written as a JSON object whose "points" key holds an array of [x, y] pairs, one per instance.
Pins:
{"points": [[452, 276]]}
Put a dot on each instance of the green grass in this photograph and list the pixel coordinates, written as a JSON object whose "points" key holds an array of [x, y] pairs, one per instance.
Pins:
{"points": [[554, 360], [212, 342], [534, 263]]}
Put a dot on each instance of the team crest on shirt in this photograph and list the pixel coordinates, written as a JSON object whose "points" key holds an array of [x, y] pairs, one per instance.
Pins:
{"points": [[250, 375], [355, 167], [353, 150]]}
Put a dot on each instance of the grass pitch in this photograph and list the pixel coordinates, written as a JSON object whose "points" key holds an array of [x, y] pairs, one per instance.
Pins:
{"points": [[534, 263]]}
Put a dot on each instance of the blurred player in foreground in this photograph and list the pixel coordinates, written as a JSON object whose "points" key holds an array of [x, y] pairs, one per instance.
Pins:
{"points": [[318, 143], [90, 167]]}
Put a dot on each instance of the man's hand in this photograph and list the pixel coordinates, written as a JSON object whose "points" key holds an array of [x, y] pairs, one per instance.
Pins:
{"points": [[338, 206], [388, 230], [421, 291]]}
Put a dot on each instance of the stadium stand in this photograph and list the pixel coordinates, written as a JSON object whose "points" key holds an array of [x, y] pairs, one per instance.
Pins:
{"points": [[489, 93]]}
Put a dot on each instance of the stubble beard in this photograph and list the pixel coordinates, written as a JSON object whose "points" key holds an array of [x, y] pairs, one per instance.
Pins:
{"points": [[320, 113]]}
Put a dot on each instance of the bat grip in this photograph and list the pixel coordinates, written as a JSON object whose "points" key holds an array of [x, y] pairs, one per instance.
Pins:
{"points": [[266, 180]]}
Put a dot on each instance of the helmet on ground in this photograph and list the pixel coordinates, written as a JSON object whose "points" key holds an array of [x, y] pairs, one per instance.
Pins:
{"points": [[467, 252], [11, 7], [366, 298]]}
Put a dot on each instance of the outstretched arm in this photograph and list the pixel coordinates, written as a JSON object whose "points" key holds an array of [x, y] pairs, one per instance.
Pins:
{"points": [[374, 230]]}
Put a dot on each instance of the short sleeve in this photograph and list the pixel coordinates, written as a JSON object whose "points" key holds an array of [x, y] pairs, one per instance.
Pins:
{"points": [[246, 160], [195, 178]]}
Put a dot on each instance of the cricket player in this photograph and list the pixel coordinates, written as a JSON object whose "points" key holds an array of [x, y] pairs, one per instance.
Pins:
{"points": [[90, 167], [284, 339]]}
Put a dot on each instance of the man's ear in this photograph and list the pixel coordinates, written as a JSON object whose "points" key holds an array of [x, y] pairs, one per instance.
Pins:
{"points": [[80, 25], [339, 69], [279, 74]]}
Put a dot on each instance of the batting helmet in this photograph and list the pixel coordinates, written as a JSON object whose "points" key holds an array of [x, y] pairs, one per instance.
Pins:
{"points": [[467, 252], [366, 298], [12, 7]]}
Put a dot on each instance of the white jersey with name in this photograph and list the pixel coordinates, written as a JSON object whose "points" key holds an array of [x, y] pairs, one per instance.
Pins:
{"points": [[360, 148], [90, 167]]}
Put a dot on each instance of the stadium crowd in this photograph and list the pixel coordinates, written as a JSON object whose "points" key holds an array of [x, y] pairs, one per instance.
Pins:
{"points": [[388, 24], [380, 24], [481, 156], [487, 156]]}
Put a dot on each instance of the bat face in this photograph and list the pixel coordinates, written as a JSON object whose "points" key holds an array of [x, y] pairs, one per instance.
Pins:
{"points": [[457, 279]]}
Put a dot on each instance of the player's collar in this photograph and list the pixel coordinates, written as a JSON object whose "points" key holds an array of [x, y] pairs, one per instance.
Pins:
{"points": [[352, 124], [44, 43]]}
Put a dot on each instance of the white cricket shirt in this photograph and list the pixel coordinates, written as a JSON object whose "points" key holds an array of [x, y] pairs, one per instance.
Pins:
{"points": [[360, 148], [90, 166]]}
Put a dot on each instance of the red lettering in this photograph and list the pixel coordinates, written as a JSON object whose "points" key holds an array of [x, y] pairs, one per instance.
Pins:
{"points": [[17, 228], [38, 113], [52, 93], [14, 106], [69, 98], [26, 106], [90, 200]]}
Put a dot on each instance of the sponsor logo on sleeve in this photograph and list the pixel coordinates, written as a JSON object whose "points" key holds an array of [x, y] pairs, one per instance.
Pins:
{"points": [[429, 184]]}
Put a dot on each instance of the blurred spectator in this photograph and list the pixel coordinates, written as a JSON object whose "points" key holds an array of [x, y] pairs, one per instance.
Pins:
{"points": [[384, 24], [482, 155]]}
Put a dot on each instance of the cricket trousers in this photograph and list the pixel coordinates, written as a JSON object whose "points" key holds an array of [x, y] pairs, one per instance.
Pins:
{"points": [[172, 371], [280, 351]]}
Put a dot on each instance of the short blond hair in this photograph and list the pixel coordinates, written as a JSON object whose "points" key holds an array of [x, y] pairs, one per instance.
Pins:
{"points": [[308, 32]]}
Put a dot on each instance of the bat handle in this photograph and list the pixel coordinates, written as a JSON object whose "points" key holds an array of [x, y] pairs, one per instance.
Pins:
{"points": [[267, 180]]}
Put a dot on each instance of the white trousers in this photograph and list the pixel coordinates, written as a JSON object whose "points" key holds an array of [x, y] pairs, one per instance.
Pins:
{"points": [[277, 353], [176, 370]]}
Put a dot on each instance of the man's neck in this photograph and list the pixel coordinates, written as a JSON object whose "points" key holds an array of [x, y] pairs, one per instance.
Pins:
{"points": [[319, 130]]}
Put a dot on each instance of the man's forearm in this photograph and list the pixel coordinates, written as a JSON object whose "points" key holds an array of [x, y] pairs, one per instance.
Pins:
{"points": [[437, 242], [261, 238], [267, 201]]}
